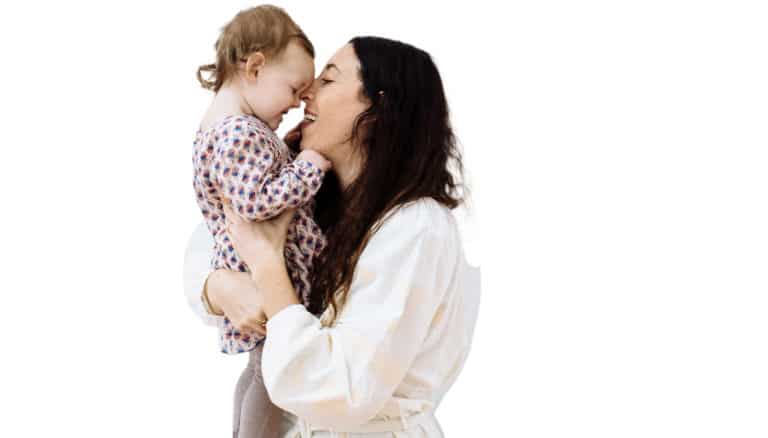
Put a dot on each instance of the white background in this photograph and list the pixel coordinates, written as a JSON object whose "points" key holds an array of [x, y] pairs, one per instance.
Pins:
{"points": [[617, 155]]}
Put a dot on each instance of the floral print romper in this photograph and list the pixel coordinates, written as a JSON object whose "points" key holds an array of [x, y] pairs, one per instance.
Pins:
{"points": [[242, 159]]}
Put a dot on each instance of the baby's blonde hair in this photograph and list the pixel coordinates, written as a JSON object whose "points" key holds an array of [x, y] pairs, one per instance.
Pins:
{"points": [[265, 28]]}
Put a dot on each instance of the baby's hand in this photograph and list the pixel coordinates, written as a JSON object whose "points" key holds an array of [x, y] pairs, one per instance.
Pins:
{"points": [[315, 158]]}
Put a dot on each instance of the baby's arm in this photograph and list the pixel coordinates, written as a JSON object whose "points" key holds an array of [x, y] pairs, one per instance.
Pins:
{"points": [[315, 158], [243, 172]]}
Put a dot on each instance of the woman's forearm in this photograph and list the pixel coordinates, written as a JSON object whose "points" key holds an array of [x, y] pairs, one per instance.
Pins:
{"points": [[243, 296], [222, 287], [212, 306], [278, 292]]}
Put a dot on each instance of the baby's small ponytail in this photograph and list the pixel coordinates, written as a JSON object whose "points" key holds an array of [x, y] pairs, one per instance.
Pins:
{"points": [[208, 84]]}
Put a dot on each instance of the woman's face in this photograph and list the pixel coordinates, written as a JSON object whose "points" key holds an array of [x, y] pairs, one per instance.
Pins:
{"points": [[333, 102]]}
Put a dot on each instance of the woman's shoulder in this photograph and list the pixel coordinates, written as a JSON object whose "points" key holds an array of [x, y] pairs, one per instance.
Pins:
{"points": [[424, 215]]}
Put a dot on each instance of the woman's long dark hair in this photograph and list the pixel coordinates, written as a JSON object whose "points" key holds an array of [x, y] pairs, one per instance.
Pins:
{"points": [[408, 152]]}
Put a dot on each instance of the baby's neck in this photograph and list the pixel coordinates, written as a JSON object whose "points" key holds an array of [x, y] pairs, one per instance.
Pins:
{"points": [[227, 102]]}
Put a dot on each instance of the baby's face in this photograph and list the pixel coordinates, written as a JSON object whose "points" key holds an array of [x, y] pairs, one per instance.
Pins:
{"points": [[280, 83]]}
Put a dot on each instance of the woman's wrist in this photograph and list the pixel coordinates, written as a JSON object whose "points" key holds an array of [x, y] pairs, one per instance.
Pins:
{"points": [[271, 276], [268, 267]]}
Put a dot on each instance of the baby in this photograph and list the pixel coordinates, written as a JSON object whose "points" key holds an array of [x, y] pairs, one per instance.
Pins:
{"points": [[263, 63]]}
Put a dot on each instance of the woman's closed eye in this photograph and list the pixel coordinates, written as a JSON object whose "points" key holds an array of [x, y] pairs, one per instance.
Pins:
{"points": [[324, 81]]}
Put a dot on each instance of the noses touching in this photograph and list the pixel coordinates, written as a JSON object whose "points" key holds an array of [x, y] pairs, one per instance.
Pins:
{"points": [[308, 97]]}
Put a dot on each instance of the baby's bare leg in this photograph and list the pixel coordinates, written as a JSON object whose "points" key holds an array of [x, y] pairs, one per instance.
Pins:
{"points": [[258, 417]]}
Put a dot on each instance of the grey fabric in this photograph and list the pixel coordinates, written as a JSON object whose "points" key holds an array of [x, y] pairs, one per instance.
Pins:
{"points": [[254, 414]]}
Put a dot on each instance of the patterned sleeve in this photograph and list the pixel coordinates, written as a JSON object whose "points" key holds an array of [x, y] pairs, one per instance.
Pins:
{"points": [[320, 243], [243, 167]]}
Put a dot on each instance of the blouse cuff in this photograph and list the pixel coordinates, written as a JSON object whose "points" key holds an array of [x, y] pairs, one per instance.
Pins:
{"points": [[288, 319], [287, 327]]}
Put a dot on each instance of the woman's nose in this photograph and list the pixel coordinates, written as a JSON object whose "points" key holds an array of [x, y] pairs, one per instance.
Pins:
{"points": [[309, 93]]}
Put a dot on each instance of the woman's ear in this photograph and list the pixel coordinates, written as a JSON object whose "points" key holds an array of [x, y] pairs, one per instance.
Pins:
{"points": [[253, 64]]}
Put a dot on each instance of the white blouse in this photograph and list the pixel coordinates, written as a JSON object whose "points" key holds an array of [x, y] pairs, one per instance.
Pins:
{"points": [[397, 346]]}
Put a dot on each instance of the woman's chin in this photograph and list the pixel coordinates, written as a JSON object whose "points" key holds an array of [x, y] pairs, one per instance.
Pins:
{"points": [[305, 139]]}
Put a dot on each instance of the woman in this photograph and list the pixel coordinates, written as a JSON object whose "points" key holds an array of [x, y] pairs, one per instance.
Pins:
{"points": [[393, 302]]}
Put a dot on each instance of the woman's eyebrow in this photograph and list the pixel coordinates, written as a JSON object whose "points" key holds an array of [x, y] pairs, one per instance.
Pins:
{"points": [[330, 66]]}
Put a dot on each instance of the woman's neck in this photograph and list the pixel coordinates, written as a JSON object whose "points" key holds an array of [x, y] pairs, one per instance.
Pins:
{"points": [[347, 169]]}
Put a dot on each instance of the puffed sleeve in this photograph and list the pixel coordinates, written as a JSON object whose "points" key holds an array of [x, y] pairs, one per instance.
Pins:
{"points": [[341, 376], [197, 266]]}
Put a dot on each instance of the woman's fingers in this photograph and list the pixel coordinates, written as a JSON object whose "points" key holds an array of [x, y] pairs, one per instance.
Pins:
{"points": [[244, 326], [251, 327], [256, 322], [294, 135], [261, 330], [240, 300], [284, 220], [229, 214], [238, 228]]}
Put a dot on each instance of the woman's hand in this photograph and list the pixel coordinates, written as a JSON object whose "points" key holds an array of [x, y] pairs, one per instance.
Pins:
{"points": [[239, 298], [293, 138], [258, 243], [261, 245]]}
